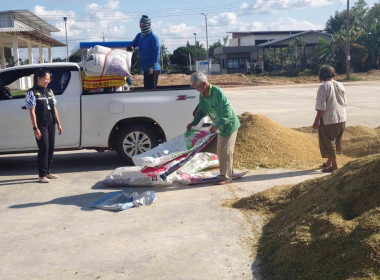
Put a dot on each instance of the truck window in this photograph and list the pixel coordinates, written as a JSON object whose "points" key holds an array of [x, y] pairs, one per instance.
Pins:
{"points": [[59, 81], [16, 84]]}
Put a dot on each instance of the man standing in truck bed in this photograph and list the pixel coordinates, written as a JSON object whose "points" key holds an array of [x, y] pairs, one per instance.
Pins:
{"points": [[149, 51]]}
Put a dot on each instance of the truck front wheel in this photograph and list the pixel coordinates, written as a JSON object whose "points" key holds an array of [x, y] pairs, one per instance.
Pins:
{"points": [[133, 140]]}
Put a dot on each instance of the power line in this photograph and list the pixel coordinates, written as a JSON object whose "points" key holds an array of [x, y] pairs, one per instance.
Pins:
{"points": [[226, 6], [163, 12], [158, 13]]}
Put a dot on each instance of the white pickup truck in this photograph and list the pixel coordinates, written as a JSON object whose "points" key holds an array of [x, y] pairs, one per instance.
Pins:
{"points": [[129, 122]]}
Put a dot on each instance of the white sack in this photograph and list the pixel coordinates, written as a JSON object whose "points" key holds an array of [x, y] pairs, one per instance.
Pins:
{"points": [[116, 62], [180, 145]]}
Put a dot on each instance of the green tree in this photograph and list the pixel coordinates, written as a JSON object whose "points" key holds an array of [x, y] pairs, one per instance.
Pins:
{"points": [[135, 67], [363, 33], [181, 55], [164, 57], [225, 41], [338, 22], [214, 58], [11, 61], [358, 12], [201, 52], [371, 36], [299, 44], [75, 58], [335, 23], [320, 55], [25, 61], [58, 59], [288, 58]]}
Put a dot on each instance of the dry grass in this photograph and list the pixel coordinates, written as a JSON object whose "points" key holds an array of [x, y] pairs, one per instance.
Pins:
{"points": [[326, 228]]}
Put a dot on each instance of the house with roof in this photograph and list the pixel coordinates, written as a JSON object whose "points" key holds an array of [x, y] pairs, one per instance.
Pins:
{"points": [[23, 29], [246, 50]]}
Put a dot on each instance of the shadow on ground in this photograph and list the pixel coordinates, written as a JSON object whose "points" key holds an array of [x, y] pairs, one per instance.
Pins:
{"points": [[274, 176], [83, 201], [63, 162]]}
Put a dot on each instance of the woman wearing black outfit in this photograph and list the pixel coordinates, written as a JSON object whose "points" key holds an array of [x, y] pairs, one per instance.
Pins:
{"points": [[44, 115]]}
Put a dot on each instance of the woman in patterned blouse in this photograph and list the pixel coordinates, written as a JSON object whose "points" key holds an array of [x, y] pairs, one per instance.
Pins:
{"points": [[331, 116], [41, 102]]}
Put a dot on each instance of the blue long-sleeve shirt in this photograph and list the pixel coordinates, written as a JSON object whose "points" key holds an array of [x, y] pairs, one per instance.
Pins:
{"points": [[149, 50]]}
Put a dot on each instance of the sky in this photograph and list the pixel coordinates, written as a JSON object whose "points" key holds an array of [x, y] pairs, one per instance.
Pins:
{"points": [[174, 22]]}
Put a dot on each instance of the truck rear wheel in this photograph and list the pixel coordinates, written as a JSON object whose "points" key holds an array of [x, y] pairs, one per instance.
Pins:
{"points": [[133, 140]]}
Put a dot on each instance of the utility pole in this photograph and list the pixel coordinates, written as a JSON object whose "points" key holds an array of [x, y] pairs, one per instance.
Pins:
{"points": [[195, 48], [208, 60], [161, 56], [348, 56], [67, 46]]}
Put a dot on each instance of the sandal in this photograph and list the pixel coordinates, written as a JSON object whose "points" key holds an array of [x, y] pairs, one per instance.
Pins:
{"points": [[222, 182], [324, 165], [327, 169]]}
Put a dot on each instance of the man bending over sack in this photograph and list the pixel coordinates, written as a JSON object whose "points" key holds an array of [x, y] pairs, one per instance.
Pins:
{"points": [[213, 102]]}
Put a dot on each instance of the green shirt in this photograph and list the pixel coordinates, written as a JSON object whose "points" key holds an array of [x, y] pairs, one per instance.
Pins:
{"points": [[220, 111]]}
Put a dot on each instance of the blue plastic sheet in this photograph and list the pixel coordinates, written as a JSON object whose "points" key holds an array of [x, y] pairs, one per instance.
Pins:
{"points": [[120, 200]]}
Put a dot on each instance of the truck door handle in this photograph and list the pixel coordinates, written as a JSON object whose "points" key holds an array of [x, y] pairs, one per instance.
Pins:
{"points": [[23, 107], [184, 97]]}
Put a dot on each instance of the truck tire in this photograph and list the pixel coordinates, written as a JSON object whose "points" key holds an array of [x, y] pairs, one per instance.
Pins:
{"points": [[133, 140]]}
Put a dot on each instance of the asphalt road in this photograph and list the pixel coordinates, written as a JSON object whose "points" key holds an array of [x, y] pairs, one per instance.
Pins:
{"points": [[48, 231]]}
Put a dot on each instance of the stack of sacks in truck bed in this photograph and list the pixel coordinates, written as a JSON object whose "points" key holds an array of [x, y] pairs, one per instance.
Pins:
{"points": [[106, 67]]}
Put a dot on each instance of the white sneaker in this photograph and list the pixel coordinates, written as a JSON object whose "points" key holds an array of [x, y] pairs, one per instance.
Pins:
{"points": [[51, 176], [44, 180]]}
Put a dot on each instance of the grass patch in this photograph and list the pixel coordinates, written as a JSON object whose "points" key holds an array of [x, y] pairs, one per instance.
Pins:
{"points": [[325, 228], [18, 92], [353, 78]]}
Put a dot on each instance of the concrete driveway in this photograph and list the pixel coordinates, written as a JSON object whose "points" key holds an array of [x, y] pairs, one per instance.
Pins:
{"points": [[48, 231]]}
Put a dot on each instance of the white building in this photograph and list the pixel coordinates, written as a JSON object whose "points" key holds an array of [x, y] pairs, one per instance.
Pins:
{"points": [[247, 49], [23, 29]]}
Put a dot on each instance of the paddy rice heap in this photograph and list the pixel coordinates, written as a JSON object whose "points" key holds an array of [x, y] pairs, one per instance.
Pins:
{"points": [[361, 141], [349, 131], [263, 143], [358, 141], [325, 228]]}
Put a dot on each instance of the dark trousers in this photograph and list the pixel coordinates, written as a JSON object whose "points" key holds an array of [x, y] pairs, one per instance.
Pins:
{"points": [[151, 79], [46, 148]]}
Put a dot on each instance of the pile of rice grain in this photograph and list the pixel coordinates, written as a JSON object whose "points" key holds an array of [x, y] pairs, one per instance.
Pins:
{"points": [[324, 228], [358, 141], [263, 143]]}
